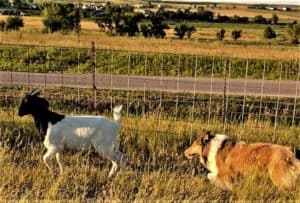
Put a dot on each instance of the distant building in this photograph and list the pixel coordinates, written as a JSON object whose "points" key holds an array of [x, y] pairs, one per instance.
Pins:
{"points": [[139, 6], [271, 8], [285, 9]]}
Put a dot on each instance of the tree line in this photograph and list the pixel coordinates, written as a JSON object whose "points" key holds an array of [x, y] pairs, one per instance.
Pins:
{"points": [[122, 21]]}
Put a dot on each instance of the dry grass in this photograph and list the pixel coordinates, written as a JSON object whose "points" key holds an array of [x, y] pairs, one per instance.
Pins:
{"points": [[31, 34], [252, 14], [152, 45], [156, 169]]}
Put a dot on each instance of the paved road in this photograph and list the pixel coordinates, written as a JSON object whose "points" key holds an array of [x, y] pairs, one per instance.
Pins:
{"points": [[183, 84]]}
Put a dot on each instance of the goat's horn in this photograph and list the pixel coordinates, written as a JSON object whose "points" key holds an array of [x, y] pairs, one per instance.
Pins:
{"points": [[33, 93], [29, 93]]}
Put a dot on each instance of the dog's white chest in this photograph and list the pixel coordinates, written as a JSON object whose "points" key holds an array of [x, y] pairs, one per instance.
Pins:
{"points": [[215, 145]]}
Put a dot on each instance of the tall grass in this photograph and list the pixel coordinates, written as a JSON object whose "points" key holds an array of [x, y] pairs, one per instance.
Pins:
{"points": [[156, 168]]}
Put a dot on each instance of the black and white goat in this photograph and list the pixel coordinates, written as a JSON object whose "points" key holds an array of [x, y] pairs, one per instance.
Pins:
{"points": [[74, 132]]}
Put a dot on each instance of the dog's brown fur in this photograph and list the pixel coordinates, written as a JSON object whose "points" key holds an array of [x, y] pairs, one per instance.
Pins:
{"points": [[234, 159]]}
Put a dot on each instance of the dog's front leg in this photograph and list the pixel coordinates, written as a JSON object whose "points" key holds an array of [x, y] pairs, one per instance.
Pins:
{"points": [[212, 177], [222, 183]]}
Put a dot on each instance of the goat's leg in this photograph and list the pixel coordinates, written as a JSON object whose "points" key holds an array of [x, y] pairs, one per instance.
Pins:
{"points": [[49, 154], [121, 160], [58, 159], [113, 169], [112, 155], [118, 162]]}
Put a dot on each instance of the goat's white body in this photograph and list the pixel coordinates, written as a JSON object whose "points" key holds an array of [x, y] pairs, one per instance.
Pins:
{"points": [[82, 132], [85, 132]]}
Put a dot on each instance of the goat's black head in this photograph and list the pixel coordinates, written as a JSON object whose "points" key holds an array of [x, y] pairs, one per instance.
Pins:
{"points": [[31, 103]]}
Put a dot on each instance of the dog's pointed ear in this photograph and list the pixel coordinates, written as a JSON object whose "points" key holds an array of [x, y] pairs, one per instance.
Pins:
{"points": [[206, 137]]}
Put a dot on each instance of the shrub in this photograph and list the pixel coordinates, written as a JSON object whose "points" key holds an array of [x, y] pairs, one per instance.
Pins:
{"points": [[261, 20], [223, 19], [14, 23], [269, 33], [183, 30], [293, 32], [236, 34], [275, 18], [221, 34]]}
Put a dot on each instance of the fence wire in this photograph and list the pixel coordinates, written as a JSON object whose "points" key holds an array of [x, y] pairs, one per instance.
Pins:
{"points": [[167, 86]]}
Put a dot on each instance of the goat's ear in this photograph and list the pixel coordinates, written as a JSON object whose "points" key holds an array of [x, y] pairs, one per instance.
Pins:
{"points": [[206, 137]]}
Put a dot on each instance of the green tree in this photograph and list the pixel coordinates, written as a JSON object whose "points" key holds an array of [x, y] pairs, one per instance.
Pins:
{"points": [[61, 17], [236, 34], [293, 32], [158, 26], [129, 25], [18, 3], [146, 30], [190, 31], [275, 18], [14, 23], [221, 34], [3, 3], [269, 33], [180, 30], [105, 24], [119, 20]]}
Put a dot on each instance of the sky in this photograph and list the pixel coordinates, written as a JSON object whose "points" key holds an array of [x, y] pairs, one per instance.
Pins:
{"points": [[282, 2]]}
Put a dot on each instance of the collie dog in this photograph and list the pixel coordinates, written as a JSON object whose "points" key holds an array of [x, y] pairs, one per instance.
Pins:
{"points": [[227, 160]]}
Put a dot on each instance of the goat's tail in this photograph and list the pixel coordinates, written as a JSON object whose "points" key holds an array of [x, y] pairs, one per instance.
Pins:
{"points": [[117, 113]]}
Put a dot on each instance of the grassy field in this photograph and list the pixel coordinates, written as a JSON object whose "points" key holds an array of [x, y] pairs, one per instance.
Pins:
{"points": [[251, 45], [156, 168]]}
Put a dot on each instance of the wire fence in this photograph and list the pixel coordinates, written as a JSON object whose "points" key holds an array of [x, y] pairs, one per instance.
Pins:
{"points": [[161, 85]]}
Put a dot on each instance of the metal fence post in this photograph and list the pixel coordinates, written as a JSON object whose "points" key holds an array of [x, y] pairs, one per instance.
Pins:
{"points": [[296, 95], [93, 57], [224, 105]]}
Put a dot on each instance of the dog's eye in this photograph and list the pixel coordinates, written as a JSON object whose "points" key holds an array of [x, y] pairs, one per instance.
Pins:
{"points": [[25, 100]]}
